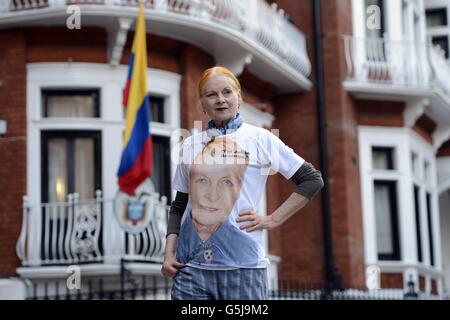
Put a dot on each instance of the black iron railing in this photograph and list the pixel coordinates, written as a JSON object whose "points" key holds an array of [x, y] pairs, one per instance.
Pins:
{"points": [[155, 287]]}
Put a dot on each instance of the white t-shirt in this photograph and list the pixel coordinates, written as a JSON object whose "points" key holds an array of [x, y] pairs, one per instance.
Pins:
{"points": [[216, 191]]}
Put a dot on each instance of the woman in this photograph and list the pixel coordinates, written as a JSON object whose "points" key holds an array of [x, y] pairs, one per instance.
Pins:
{"points": [[226, 260]]}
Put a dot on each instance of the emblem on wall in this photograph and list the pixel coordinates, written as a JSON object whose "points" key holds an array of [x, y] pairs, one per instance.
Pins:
{"points": [[134, 213]]}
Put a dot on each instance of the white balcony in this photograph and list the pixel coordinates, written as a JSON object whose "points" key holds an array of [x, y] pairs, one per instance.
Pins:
{"points": [[86, 232], [440, 101], [381, 69], [415, 73], [238, 33]]}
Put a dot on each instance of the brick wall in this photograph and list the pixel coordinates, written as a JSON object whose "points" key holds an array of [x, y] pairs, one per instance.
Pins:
{"points": [[380, 113], [59, 44], [257, 92], [391, 280], [299, 240], [345, 199], [192, 64], [163, 53], [12, 145], [434, 286], [425, 127], [344, 182], [422, 283], [444, 150]]}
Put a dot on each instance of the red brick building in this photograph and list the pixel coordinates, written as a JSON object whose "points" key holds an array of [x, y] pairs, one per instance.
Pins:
{"points": [[386, 107]]}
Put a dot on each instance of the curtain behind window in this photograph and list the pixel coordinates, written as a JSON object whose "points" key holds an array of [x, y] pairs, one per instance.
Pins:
{"points": [[383, 219], [70, 106], [57, 170], [84, 168]]}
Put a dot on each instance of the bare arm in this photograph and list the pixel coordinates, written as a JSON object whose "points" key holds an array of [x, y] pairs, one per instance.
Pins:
{"points": [[292, 204], [171, 265], [308, 182], [287, 209]]}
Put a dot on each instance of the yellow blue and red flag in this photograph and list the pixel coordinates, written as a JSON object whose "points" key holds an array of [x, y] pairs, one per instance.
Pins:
{"points": [[136, 162]]}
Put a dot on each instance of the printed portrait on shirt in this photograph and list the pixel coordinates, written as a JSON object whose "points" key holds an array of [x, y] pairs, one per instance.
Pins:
{"points": [[216, 178]]}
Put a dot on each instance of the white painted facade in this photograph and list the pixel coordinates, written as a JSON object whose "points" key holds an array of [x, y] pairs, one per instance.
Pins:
{"points": [[405, 22], [443, 165], [404, 142]]}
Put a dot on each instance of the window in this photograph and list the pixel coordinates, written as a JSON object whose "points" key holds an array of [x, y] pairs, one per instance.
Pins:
{"points": [[382, 158], [161, 173], [415, 164], [426, 171], [70, 103], [71, 162], [430, 228], [161, 165], [386, 211], [418, 224], [442, 42], [436, 17], [388, 244], [157, 109]]}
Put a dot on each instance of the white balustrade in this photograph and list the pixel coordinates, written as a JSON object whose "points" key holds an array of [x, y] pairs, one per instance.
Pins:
{"points": [[381, 61], [76, 232], [262, 23]]}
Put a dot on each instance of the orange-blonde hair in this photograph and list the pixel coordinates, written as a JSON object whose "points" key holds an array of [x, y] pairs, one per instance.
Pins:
{"points": [[221, 70]]}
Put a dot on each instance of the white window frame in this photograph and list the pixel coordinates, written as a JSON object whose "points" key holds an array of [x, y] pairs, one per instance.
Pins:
{"points": [[425, 153], [370, 137], [110, 82], [439, 4], [404, 141]]}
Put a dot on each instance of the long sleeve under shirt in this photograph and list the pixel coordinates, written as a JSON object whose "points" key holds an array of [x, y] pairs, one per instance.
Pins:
{"points": [[307, 179]]}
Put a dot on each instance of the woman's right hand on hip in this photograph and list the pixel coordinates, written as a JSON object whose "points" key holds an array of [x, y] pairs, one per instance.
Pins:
{"points": [[170, 266]]}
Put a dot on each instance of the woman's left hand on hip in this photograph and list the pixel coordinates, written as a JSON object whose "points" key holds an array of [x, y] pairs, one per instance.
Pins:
{"points": [[254, 221]]}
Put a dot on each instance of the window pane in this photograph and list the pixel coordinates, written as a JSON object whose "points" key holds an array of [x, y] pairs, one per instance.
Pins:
{"points": [[415, 164], [71, 163], [386, 221], [383, 218], [382, 158], [442, 42], [430, 228], [418, 224], [57, 170], [157, 109], [436, 17], [84, 168], [161, 166], [426, 171], [70, 104]]}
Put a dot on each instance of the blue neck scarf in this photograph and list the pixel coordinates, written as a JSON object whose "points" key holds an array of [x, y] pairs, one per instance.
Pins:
{"points": [[231, 126]]}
